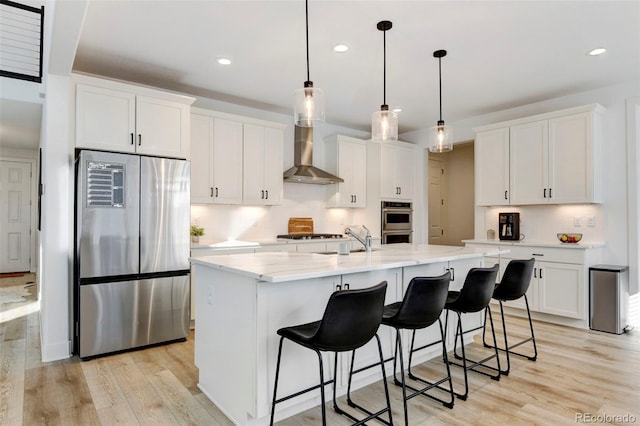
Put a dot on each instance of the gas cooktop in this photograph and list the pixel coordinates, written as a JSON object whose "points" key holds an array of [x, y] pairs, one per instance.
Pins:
{"points": [[309, 236]]}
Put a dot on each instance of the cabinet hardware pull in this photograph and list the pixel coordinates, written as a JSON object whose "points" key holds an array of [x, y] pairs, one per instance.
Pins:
{"points": [[550, 193], [132, 142], [505, 195], [540, 272], [262, 196], [338, 287], [545, 193], [355, 198], [537, 254], [399, 190], [212, 191], [216, 192], [139, 139], [346, 286], [535, 272], [266, 192], [453, 273]]}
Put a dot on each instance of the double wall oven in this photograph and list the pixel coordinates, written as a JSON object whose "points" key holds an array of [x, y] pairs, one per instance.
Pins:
{"points": [[396, 222]]}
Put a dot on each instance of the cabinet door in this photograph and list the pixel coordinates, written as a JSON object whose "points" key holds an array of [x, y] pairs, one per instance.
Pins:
{"points": [[262, 164], [162, 127], [358, 176], [561, 289], [253, 165], [396, 172], [405, 158], [273, 166], [528, 151], [201, 162], [571, 159], [492, 167], [227, 161], [105, 119], [347, 158], [352, 159]]}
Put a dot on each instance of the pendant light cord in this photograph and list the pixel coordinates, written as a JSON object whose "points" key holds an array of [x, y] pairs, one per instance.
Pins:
{"points": [[440, 84], [384, 67], [306, 11]]}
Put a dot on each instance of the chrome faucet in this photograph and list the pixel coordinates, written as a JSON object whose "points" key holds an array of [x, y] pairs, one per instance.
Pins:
{"points": [[366, 241]]}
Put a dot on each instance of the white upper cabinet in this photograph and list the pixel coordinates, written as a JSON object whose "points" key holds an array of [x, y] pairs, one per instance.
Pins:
{"points": [[553, 158], [216, 163], [572, 162], [126, 118], [235, 160], [346, 157], [262, 165], [394, 163], [492, 180], [529, 154]]}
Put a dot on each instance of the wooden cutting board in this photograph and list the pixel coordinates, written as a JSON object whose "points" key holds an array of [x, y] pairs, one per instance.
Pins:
{"points": [[300, 225]]}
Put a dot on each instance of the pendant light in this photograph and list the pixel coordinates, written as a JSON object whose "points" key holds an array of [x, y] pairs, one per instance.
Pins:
{"points": [[441, 137], [308, 110], [384, 123]]}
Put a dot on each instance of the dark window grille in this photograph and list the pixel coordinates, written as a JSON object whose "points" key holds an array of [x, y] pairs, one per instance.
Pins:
{"points": [[21, 32]]}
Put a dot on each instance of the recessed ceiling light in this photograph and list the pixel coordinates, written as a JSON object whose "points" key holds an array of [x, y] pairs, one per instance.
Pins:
{"points": [[597, 51], [224, 61], [340, 48]]}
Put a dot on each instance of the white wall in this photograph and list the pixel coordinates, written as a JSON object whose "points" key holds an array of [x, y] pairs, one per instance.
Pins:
{"points": [[54, 275]]}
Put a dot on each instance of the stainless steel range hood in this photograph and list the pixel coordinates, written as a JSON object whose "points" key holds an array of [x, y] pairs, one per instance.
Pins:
{"points": [[303, 170]]}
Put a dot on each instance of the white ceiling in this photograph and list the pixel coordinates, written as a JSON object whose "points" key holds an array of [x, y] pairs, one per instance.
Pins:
{"points": [[502, 54]]}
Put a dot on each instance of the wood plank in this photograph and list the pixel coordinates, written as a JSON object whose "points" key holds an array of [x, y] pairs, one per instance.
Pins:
{"points": [[12, 362], [183, 405]]}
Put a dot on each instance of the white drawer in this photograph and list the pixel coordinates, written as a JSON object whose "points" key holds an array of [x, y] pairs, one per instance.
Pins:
{"points": [[547, 254]]}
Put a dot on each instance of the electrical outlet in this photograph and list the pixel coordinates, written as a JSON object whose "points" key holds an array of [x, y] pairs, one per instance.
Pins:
{"points": [[591, 221], [577, 221]]}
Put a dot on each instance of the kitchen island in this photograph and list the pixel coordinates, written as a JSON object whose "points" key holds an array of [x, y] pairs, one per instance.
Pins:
{"points": [[243, 299]]}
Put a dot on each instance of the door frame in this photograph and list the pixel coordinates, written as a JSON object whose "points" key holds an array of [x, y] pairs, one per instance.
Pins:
{"points": [[33, 207]]}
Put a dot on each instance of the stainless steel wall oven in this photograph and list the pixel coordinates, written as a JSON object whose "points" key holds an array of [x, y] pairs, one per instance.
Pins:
{"points": [[396, 222]]}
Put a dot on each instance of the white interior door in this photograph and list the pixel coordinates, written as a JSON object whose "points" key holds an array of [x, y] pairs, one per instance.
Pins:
{"points": [[15, 216], [436, 201]]}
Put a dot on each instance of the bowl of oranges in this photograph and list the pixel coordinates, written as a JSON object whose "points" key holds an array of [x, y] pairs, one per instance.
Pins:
{"points": [[569, 238]]}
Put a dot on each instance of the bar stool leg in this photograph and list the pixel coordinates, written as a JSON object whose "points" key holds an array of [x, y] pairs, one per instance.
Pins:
{"points": [[275, 386], [507, 348]]}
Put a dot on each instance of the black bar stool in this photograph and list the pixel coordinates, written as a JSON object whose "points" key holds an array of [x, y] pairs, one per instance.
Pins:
{"points": [[421, 306], [474, 296], [350, 320], [514, 285]]}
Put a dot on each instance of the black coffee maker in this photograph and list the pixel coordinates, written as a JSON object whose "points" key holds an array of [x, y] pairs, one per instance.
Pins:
{"points": [[509, 226]]}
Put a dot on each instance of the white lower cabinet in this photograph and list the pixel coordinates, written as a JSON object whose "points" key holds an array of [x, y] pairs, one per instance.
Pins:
{"points": [[559, 286], [561, 289]]}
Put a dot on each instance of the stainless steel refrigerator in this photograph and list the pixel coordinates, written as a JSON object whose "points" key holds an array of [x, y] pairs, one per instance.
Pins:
{"points": [[131, 251]]}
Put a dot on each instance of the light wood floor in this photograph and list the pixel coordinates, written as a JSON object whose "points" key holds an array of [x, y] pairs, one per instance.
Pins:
{"points": [[577, 372]]}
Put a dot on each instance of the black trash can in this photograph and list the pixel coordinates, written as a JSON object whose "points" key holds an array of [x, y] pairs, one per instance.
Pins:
{"points": [[608, 298]]}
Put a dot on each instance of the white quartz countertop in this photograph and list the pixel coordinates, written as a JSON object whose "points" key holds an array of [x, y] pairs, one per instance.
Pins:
{"points": [[287, 266], [553, 243], [232, 244]]}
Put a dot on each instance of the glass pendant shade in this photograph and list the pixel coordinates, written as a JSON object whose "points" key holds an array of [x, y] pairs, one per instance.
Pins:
{"points": [[384, 125], [308, 109], [441, 138]]}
